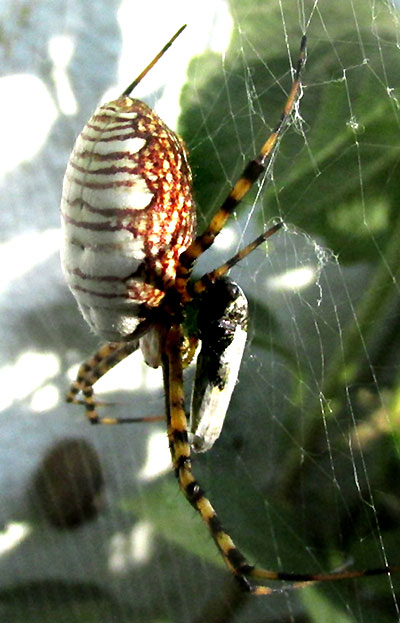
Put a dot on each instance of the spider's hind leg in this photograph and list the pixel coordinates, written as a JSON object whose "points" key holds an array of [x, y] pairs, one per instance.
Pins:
{"points": [[249, 176], [207, 280]]}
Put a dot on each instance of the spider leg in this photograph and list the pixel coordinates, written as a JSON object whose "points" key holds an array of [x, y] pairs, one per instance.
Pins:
{"points": [[250, 174], [210, 278], [180, 453], [155, 60], [86, 372], [91, 371]]}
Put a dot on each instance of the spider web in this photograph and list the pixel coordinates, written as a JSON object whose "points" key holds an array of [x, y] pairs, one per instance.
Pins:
{"points": [[305, 475]]}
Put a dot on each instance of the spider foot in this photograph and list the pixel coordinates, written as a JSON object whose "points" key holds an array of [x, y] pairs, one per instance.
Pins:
{"points": [[96, 419]]}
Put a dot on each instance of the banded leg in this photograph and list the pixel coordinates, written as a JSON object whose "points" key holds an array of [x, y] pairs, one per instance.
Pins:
{"points": [[87, 371], [92, 370], [210, 278], [250, 174], [180, 453]]}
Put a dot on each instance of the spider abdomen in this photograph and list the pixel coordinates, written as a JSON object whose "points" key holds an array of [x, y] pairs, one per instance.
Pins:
{"points": [[127, 214]]}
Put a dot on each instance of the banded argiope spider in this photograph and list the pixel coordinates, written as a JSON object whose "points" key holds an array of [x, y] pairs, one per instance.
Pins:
{"points": [[129, 250]]}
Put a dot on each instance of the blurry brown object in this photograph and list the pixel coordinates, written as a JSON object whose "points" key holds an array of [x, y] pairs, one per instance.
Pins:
{"points": [[69, 483]]}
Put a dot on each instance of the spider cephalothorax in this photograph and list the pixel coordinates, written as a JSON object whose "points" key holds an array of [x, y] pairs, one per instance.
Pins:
{"points": [[129, 250]]}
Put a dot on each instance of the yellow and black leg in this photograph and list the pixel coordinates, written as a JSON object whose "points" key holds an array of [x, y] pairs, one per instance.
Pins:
{"points": [[250, 174], [91, 371], [181, 459]]}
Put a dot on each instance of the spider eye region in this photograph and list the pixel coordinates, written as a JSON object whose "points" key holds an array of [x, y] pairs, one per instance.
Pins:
{"points": [[127, 215]]}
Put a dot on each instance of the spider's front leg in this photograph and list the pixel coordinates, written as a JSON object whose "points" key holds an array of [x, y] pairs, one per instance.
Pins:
{"points": [[97, 366], [180, 449], [177, 427], [92, 370]]}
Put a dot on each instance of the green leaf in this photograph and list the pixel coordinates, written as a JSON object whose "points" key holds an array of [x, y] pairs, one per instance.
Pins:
{"points": [[343, 180]]}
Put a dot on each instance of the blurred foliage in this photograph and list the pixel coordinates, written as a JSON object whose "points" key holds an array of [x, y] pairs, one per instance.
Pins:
{"points": [[38, 602]]}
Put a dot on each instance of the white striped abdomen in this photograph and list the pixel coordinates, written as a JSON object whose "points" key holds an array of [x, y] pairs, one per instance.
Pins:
{"points": [[127, 214]]}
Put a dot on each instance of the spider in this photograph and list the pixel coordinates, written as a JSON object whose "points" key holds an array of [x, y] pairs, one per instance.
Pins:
{"points": [[128, 254]]}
